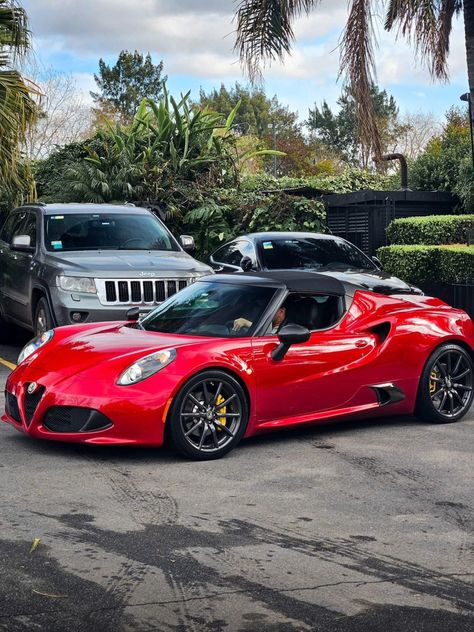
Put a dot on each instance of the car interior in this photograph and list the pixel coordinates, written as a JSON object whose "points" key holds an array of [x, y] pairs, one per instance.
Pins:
{"points": [[315, 311]]}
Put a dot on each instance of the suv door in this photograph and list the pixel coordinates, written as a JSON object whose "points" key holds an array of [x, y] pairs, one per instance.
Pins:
{"points": [[16, 267], [7, 280]]}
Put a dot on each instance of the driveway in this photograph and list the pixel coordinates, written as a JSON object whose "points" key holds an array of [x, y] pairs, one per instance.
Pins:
{"points": [[354, 527]]}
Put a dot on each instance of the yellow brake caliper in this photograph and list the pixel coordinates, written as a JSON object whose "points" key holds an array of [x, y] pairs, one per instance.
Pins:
{"points": [[222, 411], [434, 376]]}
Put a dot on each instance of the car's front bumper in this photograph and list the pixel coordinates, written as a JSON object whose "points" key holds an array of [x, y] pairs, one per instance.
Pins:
{"points": [[71, 309], [134, 415]]}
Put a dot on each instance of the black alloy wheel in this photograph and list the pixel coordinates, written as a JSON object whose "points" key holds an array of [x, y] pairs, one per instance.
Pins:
{"points": [[446, 389], [43, 319], [209, 416]]}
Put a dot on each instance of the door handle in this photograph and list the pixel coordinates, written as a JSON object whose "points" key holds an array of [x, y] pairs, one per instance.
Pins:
{"points": [[361, 343]]}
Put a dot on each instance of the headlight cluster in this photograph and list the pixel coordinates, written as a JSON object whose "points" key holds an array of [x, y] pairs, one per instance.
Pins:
{"points": [[147, 366], [34, 345], [77, 284]]}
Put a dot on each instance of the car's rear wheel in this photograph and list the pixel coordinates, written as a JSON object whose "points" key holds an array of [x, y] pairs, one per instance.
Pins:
{"points": [[209, 416], [43, 318], [446, 389]]}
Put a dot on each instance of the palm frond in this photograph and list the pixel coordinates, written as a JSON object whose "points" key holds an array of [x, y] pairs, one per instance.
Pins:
{"points": [[358, 64], [265, 31]]}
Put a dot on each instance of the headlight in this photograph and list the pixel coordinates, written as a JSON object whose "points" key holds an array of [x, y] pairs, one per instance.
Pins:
{"points": [[77, 284], [149, 365], [34, 345]]}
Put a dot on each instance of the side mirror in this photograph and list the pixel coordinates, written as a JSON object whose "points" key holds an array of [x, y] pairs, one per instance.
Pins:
{"points": [[246, 264], [22, 243], [187, 243], [377, 262], [289, 335], [133, 313]]}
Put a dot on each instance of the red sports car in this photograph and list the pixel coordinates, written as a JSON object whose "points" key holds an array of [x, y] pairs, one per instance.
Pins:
{"points": [[233, 356]]}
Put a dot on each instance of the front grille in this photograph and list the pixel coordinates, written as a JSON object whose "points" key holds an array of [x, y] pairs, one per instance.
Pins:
{"points": [[75, 419], [11, 407], [138, 291], [31, 402]]}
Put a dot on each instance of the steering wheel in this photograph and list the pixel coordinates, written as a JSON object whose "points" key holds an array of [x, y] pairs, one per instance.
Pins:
{"points": [[127, 241], [241, 332]]}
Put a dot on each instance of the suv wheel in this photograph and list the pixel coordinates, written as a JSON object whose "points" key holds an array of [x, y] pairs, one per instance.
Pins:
{"points": [[43, 319]]}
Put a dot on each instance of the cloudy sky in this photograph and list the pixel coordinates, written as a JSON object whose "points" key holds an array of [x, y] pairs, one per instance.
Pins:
{"points": [[195, 40]]}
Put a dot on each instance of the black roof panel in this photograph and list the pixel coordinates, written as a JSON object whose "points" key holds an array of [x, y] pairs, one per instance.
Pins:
{"points": [[292, 280]]}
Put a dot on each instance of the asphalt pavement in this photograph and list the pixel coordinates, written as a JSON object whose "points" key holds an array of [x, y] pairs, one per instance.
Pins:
{"points": [[354, 527]]}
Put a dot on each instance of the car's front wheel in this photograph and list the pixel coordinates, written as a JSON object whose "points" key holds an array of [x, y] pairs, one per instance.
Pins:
{"points": [[446, 389], [43, 318], [209, 416]]}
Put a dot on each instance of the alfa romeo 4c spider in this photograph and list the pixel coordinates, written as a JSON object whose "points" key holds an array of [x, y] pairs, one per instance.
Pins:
{"points": [[236, 355]]}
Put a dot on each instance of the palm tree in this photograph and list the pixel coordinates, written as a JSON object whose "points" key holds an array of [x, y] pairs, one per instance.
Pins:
{"points": [[17, 108], [265, 32]]}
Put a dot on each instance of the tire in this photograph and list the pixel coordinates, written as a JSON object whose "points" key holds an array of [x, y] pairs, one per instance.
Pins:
{"points": [[199, 427], [446, 389], [43, 318]]}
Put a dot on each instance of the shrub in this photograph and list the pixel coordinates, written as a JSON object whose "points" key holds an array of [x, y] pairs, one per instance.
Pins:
{"points": [[431, 230], [419, 264]]}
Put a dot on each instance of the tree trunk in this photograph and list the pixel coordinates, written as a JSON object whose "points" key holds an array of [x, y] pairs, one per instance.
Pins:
{"points": [[469, 34]]}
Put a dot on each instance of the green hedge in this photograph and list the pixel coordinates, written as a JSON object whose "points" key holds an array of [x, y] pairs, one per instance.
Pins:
{"points": [[431, 230], [418, 264]]}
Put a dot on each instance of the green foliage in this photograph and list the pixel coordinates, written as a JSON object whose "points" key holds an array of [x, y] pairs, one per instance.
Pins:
{"points": [[446, 163], [256, 113], [124, 85], [432, 229], [338, 131], [209, 226], [18, 110], [418, 264], [167, 143], [49, 174], [349, 180]]}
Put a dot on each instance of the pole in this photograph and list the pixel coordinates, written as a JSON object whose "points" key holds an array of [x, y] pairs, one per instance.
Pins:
{"points": [[467, 97], [274, 149]]}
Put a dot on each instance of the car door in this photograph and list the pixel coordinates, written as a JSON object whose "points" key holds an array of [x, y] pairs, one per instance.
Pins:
{"points": [[18, 269], [11, 227], [321, 375], [227, 259]]}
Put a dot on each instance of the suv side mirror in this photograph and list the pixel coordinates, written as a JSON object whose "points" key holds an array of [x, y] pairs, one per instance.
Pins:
{"points": [[246, 264], [22, 243], [187, 243], [289, 335]]}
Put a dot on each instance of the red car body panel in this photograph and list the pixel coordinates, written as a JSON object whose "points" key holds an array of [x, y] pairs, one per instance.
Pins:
{"points": [[379, 340]]}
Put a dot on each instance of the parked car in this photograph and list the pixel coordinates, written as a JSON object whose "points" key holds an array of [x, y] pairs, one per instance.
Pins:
{"points": [[325, 254], [79, 263], [237, 355]]}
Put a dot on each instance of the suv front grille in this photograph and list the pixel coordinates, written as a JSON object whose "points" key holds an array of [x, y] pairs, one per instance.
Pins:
{"points": [[138, 291]]}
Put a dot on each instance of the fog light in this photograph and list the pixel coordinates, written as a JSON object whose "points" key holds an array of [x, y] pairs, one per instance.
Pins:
{"points": [[78, 317]]}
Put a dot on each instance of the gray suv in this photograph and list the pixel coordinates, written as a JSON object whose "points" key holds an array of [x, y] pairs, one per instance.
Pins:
{"points": [[73, 263]]}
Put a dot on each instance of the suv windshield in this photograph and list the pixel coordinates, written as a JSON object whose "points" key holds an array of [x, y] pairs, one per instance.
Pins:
{"points": [[102, 231], [210, 309], [314, 254]]}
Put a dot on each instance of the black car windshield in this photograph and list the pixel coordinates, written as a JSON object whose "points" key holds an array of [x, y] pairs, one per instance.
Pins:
{"points": [[312, 254], [102, 231], [210, 309]]}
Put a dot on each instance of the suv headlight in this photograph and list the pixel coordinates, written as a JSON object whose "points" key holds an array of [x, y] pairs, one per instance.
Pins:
{"points": [[35, 344], [77, 284], [147, 366]]}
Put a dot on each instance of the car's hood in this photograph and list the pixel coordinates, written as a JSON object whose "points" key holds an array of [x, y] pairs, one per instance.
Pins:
{"points": [[127, 263], [76, 349], [374, 280]]}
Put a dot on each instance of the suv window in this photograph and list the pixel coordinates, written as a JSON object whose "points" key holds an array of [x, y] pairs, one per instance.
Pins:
{"points": [[101, 231], [233, 253], [29, 228], [12, 226]]}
